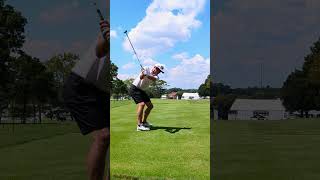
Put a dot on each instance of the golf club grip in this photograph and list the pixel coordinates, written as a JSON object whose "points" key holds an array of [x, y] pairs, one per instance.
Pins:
{"points": [[100, 15]]}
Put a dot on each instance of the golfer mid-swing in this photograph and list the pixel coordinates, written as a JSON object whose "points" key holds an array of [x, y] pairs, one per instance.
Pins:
{"points": [[140, 97], [86, 96]]}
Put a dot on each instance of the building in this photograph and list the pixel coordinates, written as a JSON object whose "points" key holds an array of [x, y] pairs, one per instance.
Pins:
{"points": [[257, 109], [163, 96], [314, 114], [173, 95], [189, 96]]}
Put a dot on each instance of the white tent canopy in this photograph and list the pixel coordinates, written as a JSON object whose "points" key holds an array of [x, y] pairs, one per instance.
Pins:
{"points": [[246, 109], [190, 96]]}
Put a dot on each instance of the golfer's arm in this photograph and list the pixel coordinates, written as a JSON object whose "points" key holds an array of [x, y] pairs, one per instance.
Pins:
{"points": [[102, 47], [142, 76], [151, 78]]}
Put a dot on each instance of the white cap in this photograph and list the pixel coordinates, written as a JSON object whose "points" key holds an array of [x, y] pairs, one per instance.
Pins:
{"points": [[160, 67]]}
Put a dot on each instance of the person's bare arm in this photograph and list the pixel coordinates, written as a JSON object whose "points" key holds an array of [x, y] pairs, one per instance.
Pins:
{"points": [[142, 75], [151, 78], [103, 44]]}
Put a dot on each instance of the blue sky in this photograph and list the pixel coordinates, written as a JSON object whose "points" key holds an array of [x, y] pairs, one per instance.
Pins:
{"points": [[175, 33]]}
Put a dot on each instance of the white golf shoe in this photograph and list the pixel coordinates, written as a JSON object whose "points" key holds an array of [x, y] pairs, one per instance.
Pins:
{"points": [[142, 128], [147, 124]]}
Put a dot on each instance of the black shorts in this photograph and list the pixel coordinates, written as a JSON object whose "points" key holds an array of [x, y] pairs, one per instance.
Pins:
{"points": [[88, 105], [138, 95]]}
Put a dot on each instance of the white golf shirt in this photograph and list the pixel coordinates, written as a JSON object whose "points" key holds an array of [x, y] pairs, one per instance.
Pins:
{"points": [[92, 69], [145, 82]]}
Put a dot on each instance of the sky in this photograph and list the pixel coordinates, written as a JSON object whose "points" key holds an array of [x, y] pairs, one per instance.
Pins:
{"points": [[247, 34], [175, 33], [274, 34], [59, 26]]}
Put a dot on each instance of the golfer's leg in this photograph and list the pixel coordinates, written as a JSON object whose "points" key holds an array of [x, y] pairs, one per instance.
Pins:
{"points": [[140, 112], [147, 111], [97, 154], [108, 164]]}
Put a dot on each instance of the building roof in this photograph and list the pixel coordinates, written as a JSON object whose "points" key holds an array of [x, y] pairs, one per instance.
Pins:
{"points": [[257, 104], [173, 94]]}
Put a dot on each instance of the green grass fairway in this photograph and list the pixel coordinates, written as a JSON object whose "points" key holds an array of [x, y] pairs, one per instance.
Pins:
{"points": [[47, 151], [265, 150], [168, 152]]}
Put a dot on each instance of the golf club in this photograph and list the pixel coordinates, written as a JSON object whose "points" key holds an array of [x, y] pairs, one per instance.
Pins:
{"points": [[126, 32], [98, 11], [104, 31]]}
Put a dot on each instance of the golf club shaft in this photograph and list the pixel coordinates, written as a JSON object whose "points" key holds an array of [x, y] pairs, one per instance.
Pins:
{"points": [[133, 49], [104, 31]]}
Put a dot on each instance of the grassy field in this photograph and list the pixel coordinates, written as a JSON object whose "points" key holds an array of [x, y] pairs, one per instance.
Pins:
{"points": [[177, 148], [264, 150], [42, 151], [57, 151]]}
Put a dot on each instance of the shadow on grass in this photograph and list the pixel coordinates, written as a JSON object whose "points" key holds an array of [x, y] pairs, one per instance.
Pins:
{"points": [[125, 177], [168, 129]]}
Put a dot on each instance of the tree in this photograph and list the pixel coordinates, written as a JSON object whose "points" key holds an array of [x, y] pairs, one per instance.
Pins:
{"points": [[32, 84], [156, 89], [223, 104], [168, 91], [113, 75], [60, 67], [301, 90], [220, 89], [311, 69], [128, 82], [11, 40], [204, 89], [297, 93], [119, 89]]}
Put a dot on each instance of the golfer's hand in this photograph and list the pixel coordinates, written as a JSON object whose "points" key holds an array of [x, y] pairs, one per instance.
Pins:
{"points": [[142, 75], [105, 29], [102, 48]]}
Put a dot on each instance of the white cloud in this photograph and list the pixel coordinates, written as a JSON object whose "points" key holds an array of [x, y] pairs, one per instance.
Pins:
{"points": [[190, 73], [149, 62], [113, 34], [180, 56], [166, 23], [126, 76], [128, 66]]}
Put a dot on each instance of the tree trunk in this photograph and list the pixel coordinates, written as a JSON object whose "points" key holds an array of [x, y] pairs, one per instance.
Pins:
{"points": [[301, 113], [51, 117], [24, 119], [39, 108], [0, 114], [307, 114], [12, 112], [34, 113]]}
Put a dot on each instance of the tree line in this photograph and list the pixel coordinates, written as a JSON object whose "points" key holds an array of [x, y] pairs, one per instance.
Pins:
{"points": [[29, 86], [301, 89], [300, 92], [155, 90]]}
